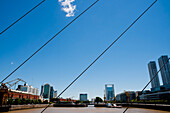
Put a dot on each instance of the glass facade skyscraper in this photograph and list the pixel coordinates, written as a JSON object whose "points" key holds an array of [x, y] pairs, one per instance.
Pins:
{"points": [[46, 93], [165, 72], [152, 71], [51, 92], [109, 92]]}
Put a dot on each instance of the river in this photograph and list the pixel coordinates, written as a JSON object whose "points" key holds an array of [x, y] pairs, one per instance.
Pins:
{"points": [[87, 110]]}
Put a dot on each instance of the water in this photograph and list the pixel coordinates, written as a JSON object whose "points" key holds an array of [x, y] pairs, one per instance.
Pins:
{"points": [[88, 110]]}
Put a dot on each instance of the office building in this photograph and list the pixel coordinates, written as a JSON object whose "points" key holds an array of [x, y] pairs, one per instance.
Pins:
{"points": [[55, 94], [109, 92], [47, 92], [122, 97], [28, 89], [165, 72], [42, 91], [152, 72], [160, 95], [51, 92], [83, 97]]}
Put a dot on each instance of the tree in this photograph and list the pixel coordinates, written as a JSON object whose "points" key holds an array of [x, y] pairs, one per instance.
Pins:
{"points": [[10, 101], [45, 102], [98, 99], [39, 101], [23, 101], [77, 102], [17, 101]]}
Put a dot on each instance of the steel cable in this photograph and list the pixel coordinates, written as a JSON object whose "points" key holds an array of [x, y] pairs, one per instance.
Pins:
{"points": [[21, 17]]}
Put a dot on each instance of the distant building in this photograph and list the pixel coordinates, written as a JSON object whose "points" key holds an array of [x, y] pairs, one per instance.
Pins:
{"points": [[165, 72], [42, 91], [28, 89], [122, 97], [109, 92], [13, 94], [160, 95], [152, 71], [51, 92], [92, 100], [47, 92], [83, 97], [55, 94]]}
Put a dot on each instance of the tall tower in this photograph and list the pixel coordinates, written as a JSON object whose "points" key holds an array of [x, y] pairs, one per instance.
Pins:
{"points": [[46, 93], [42, 91], [165, 72], [109, 92], [51, 92], [152, 71]]}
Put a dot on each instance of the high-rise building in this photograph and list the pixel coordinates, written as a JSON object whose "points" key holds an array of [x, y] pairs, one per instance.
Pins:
{"points": [[42, 91], [51, 92], [165, 72], [55, 94], [152, 72], [46, 91], [109, 92], [83, 97]]}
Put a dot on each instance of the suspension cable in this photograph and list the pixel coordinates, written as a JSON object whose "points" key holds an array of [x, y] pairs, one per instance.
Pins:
{"points": [[101, 54], [49, 41], [21, 17]]}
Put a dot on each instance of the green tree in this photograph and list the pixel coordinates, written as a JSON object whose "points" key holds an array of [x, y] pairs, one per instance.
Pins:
{"points": [[23, 101], [17, 101], [45, 102], [98, 99], [10, 101], [34, 102], [39, 101], [77, 102]]}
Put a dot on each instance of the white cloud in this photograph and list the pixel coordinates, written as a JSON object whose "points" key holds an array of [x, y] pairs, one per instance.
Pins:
{"points": [[68, 7]]}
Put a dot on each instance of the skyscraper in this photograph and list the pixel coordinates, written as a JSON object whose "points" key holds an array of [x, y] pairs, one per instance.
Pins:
{"points": [[109, 92], [42, 91], [152, 71], [55, 94], [46, 92], [165, 72], [51, 92]]}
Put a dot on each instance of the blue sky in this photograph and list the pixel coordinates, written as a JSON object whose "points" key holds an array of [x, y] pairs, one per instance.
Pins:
{"points": [[124, 65]]}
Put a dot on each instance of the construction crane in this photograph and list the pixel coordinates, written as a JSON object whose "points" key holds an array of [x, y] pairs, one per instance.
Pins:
{"points": [[14, 82]]}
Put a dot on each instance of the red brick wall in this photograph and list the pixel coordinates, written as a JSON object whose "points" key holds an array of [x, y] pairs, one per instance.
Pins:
{"points": [[15, 95], [69, 100]]}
